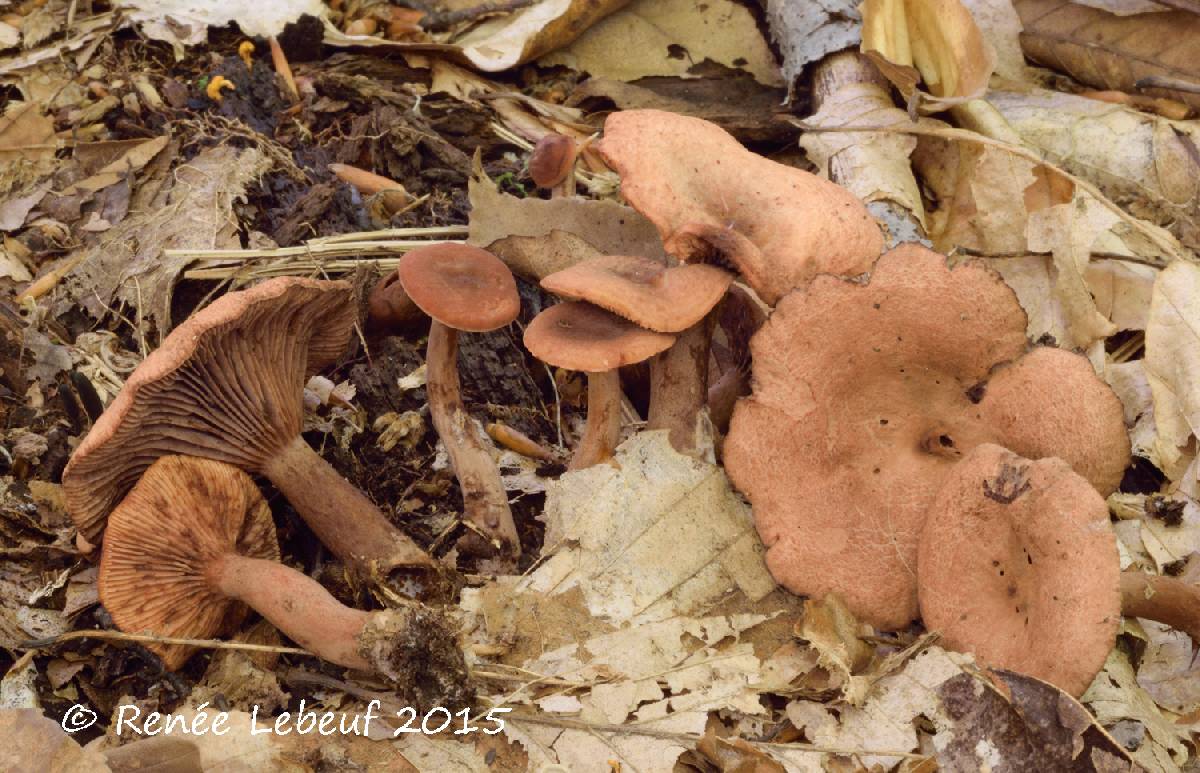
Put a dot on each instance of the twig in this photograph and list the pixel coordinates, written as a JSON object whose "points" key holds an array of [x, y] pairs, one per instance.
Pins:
{"points": [[1163, 82], [50, 641]]}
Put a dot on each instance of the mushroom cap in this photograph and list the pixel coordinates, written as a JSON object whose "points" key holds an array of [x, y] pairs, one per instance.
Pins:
{"points": [[163, 541], [579, 336], [461, 286], [226, 384], [552, 159], [666, 299], [711, 199], [1018, 564], [865, 395]]}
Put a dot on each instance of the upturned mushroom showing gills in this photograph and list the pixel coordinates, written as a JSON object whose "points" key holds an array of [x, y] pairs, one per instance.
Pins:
{"points": [[714, 201], [866, 394], [192, 548], [1018, 564], [469, 289], [579, 336], [666, 299], [227, 384]]}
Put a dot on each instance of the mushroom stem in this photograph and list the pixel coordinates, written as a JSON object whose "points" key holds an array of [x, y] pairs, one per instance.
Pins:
{"points": [[603, 430], [341, 516], [484, 502], [295, 604], [723, 395], [1167, 600], [679, 386]]}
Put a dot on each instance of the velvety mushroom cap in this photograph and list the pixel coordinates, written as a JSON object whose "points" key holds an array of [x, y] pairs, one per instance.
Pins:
{"points": [[579, 336], [157, 555], [226, 384], [552, 159], [1018, 565], [865, 395], [462, 287], [713, 200], [667, 299]]}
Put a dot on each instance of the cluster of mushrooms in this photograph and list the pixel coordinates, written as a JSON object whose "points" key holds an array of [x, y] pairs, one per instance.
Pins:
{"points": [[902, 446]]}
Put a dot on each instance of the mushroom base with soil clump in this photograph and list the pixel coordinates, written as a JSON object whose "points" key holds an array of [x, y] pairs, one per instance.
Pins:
{"points": [[192, 547]]}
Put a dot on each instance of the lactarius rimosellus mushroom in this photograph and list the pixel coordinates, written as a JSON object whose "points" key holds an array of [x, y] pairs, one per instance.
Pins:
{"points": [[228, 385], [192, 548], [468, 289], [579, 336], [665, 299], [714, 201], [552, 164], [1018, 565], [865, 394]]}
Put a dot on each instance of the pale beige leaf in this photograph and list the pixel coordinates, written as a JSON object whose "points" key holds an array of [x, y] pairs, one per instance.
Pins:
{"points": [[1001, 28], [186, 22], [129, 162], [1173, 357], [651, 35], [1115, 695], [34, 743]]}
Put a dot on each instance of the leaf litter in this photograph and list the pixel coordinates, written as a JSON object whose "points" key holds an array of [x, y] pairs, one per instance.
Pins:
{"points": [[641, 628]]}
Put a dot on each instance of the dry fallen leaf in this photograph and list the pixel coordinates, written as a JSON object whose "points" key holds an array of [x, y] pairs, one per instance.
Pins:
{"points": [[1173, 358], [805, 32], [34, 743], [185, 23]]}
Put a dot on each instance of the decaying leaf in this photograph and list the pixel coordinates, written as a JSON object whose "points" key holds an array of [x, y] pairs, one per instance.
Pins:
{"points": [[1173, 358], [536, 237], [128, 263], [185, 23], [1113, 52], [34, 743], [937, 39], [669, 37], [1116, 696], [805, 32], [609, 526]]}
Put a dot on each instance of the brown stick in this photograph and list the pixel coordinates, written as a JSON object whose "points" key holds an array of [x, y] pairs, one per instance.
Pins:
{"points": [[603, 430], [679, 386], [341, 516], [1167, 600], [485, 503], [296, 604]]}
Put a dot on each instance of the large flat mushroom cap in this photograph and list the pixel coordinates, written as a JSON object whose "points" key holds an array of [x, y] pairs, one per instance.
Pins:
{"points": [[462, 287], [667, 299], [158, 552], [865, 395], [1018, 564], [226, 384], [709, 196], [579, 336]]}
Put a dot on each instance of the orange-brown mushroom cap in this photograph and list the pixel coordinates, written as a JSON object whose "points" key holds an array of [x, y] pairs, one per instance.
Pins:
{"points": [[462, 287], [552, 159], [1018, 564], [667, 299], [579, 336], [157, 551], [708, 196], [864, 397], [226, 384]]}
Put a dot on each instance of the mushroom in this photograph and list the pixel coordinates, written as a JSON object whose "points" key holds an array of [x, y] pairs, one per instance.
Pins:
{"points": [[552, 164], [865, 394], [583, 337], [1018, 564], [463, 288], [228, 385], [665, 299], [192, 548], [389, 309], [1169, 600], [712, 200], [739, 318]]}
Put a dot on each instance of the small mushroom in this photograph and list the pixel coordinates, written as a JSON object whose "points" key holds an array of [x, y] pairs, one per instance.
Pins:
{"points": [[1018, 564], [866, 394], [714, 201], [228, 384], [469, 289], [666, 299], [552, 164], [580, 336], [389, 309], [192, 548]]}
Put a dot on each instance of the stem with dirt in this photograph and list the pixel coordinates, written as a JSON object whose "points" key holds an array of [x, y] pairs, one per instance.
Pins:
{"points": [[679, 386], [603, 430]]}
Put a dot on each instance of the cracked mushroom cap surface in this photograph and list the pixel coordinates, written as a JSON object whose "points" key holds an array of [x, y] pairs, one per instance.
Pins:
{"points": [[866, 394], [666, 299], [1018, 564], [226, 384], [461, 286], [579, 336], [164, 538], [714, 201]]}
